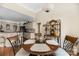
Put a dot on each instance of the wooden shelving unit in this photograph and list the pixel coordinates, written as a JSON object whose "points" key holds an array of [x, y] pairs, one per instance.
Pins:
{"points": [[53, 29]]}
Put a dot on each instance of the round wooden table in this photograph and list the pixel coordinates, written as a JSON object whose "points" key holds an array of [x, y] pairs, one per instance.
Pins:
{"points": [[40, 48]]}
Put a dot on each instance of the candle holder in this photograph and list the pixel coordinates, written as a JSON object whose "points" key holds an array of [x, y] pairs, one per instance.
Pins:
{"points": [[38, 36]]}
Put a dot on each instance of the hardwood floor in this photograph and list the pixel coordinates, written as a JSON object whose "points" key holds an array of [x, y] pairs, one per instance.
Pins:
{"points": [[7, 51]]}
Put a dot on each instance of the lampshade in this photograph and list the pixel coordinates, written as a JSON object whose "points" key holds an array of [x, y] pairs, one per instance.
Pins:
{"points": [[56, 34]]}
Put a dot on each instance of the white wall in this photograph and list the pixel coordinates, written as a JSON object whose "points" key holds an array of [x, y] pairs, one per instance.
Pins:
{"points": [[68, 13]]}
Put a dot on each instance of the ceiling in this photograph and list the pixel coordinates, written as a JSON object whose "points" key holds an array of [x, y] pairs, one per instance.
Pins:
{"points": [[35, 7], [14, 15], [7, 14]]}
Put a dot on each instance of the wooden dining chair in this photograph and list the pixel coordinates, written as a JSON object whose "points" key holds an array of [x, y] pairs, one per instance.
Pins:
{"points": [[69, 43], [14, 41]]}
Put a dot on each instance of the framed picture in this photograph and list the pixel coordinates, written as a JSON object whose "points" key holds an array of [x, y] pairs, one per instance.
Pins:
{"points": [[7, 26], [15, 27]]}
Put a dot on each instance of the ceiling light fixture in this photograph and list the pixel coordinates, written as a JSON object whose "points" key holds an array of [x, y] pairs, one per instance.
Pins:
{"points": [[47, 11]]}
